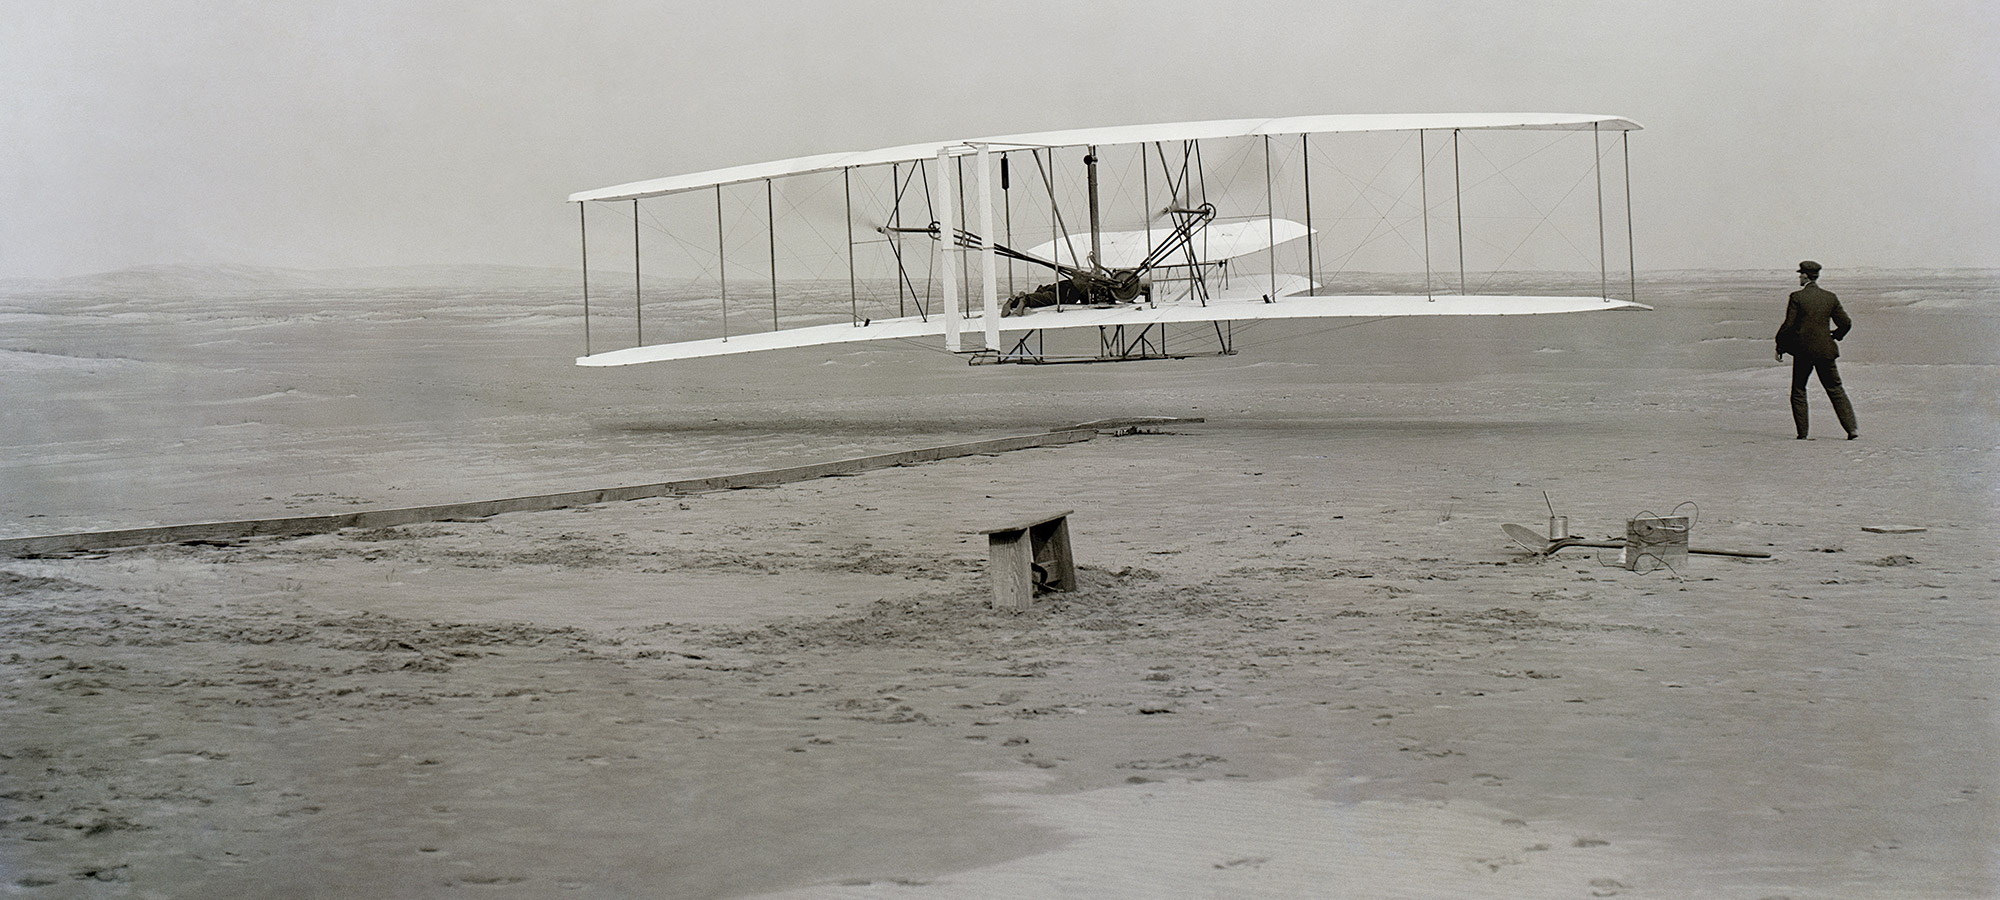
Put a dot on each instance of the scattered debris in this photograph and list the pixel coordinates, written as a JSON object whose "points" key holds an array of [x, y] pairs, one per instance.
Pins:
{"points": [[1644, 530]]}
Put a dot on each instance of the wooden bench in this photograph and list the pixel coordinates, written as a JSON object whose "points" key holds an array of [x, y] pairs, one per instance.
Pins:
{"points": [[1028, 558]]}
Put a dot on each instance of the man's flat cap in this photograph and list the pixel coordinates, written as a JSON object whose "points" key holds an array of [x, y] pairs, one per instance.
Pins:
{"points": [[1809, 268]]}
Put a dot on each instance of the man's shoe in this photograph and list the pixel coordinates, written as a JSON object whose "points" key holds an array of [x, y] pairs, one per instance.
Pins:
{"points": [[1853, 434]]}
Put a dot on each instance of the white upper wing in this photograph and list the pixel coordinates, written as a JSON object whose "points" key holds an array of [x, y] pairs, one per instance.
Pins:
{"points": [[1113, 135]]}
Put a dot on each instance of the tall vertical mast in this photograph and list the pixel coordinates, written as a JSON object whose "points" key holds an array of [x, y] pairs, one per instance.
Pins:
{"points": [[1007, 204], [1090, 179]]}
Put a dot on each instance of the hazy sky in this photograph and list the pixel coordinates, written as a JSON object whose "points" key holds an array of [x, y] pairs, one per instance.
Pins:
{"points": [[387, 132]]}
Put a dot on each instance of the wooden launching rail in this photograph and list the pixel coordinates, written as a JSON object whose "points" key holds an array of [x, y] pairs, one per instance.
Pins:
{"points": [[296, 526]]}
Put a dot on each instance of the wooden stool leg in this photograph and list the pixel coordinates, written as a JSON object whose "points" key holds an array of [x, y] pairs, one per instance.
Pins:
{"points": [[1008, 566], [1052, 551]]}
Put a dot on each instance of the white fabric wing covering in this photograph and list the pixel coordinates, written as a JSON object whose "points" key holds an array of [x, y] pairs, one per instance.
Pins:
{"points": [[1111, 136], [1241, 305]]}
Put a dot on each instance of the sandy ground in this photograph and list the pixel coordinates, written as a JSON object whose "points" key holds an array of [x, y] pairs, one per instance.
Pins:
{"points": [[1303, 661]]}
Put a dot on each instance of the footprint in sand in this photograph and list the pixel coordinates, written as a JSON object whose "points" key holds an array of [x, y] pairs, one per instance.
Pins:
{"points": [[1183, 761]]}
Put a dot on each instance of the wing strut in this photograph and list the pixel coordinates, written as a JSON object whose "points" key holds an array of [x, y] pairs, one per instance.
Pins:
{"points": [[638, 305], [948, 264], [1597, 169], [583, 243], [989, 287], [1631, 253], [1458, 206], [1306, 164], [1271, 216], [1424, 197], [853, 292], [722, 262], [771, 229]]}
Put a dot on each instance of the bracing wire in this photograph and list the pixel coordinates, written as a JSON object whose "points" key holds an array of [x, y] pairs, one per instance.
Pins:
{"points": [[813, 244], [1365, 191], [1638, 546], [1545, 215]]}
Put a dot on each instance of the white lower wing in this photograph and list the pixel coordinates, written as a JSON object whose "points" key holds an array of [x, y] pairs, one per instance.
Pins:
{"points": [[1233, 306]]}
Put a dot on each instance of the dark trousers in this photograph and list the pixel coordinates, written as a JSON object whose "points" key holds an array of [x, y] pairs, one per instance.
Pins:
{"points": [[1829, 378]]}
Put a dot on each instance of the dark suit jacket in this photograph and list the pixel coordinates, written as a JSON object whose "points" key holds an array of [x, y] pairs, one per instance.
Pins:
{"points": [[1805, 331]]}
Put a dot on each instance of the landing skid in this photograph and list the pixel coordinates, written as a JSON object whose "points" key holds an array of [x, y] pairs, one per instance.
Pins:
{"points": [[989, 358]]}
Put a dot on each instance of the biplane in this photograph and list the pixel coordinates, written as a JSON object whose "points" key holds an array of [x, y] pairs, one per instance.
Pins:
{"points": [[1114, 233]]}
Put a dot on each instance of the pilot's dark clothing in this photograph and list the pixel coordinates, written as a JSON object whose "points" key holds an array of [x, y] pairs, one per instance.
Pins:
{"points": [[1806, 336]]}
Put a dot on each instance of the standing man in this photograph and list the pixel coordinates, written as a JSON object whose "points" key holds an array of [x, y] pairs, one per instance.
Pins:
{"points": [[1806, 337]]}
